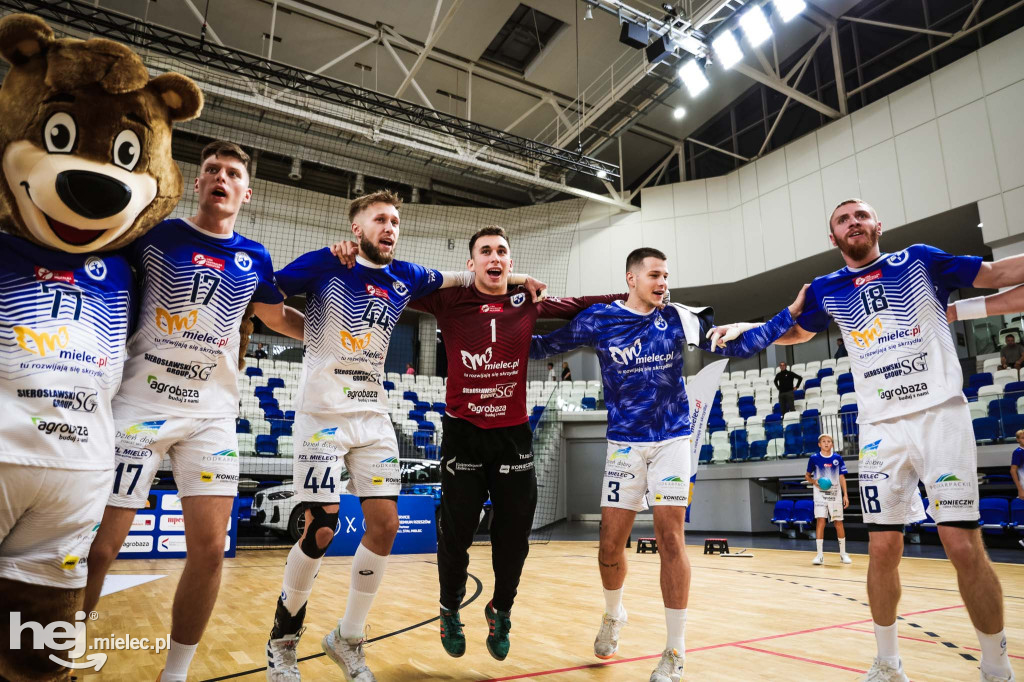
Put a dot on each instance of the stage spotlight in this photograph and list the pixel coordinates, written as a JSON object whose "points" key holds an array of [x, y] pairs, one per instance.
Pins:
{"points": [[359, 188], [296, 172], [788, 9], [601, 174], [693, 77], [727, 49], [678, 113], [755, 26]]}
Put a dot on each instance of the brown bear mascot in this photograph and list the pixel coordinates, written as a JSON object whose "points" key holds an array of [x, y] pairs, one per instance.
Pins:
{"points": [[85, 148]]}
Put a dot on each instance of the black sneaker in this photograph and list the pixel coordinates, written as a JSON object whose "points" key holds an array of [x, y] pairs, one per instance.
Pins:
{"points": [[498, 623], [452, 638]]}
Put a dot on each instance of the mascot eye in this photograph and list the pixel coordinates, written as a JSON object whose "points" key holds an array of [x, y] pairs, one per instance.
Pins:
{"points": [[127, 149], [59, 133]]}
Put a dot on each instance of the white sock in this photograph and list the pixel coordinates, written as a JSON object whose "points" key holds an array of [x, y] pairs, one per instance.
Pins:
{"points": [[888, 644], [842, 545], [613, 602], [179, 656], [367, 572], [299, 573], [994, 660], [675, 622], [820, 543]]}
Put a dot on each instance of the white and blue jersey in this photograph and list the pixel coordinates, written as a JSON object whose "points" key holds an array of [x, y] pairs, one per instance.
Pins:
{"points": [[831, 467], [892, 314], [641, 359], [350, 314], [183, 358], [64, 319]]}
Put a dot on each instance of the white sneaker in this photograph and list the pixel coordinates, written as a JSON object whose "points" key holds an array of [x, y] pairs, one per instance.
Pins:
{"points": [[607, 641], [986, 677], [845, 558], [282, 663], [670, 667], [347, 654], [819, 559], [883, 672]]}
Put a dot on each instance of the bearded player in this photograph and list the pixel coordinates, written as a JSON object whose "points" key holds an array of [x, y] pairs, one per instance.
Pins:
{"points": [[914, 421], [640, 348]]}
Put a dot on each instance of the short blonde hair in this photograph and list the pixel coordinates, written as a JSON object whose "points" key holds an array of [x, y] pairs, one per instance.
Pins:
{"points": [[384, 196], [825, 435], [1019, 433], [844, 202]]}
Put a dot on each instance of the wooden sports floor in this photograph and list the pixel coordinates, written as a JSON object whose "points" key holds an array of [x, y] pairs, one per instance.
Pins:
{"points": [[772, 617]]}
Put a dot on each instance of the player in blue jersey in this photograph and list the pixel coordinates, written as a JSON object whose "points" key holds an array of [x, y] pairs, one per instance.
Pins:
{"points": [[914, 421], [179, 394], [829, 502], [640, 348]]}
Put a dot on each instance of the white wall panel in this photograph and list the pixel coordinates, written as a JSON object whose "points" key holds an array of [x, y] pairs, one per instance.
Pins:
{"points": [[739, 249], [871, 125], [732, 181], [967, 152], [721, 248], [911, 106], [690, 198], [1002, 62], [718, 194], [880, 183], [595, 261], [777, 229], [657, 202], [752, 239], [807, 204], [771, 171], [835, 141], [573, 285], [838, 182], [661, 235], [993, 218], [693, 251], [1013, 205], [955, 85], [1005, 109], [748, 182], [922, 177], [801, 157]]}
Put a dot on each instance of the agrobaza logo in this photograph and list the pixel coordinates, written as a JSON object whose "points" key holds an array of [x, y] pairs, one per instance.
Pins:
{"points": [[905, 392]]}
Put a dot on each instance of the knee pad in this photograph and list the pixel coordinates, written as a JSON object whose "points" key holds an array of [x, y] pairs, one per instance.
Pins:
{"points": [[321, 519]]}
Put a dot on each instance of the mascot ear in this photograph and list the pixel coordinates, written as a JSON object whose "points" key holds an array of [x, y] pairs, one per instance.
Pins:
{"points": [[23, 36], [181, 96]]}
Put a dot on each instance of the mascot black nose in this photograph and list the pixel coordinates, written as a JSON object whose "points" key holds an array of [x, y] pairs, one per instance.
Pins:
{"points": [[92, 195]]}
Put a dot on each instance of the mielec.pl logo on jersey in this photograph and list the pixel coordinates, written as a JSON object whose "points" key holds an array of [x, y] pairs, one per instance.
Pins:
{"points": [[624, 356], [354, 344], [41, 342], [169, 322], [475, 361]]}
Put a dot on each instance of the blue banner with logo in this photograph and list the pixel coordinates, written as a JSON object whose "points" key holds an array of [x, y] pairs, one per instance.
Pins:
{"points": [[158, 530], [417, 532]]}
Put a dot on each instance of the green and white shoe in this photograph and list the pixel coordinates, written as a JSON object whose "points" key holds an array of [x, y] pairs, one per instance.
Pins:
{"points": [[498, 624], [452, 638]]}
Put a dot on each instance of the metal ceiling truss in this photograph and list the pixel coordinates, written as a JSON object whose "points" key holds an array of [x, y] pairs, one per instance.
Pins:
{"points": [[531, 162]]}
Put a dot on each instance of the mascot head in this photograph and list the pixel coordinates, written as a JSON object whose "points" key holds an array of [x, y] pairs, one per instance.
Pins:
{"points": [[85, 139]]}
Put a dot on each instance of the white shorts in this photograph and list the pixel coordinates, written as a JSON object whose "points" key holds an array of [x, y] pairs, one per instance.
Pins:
{"points": [[332, 447], [48, 519], [935, 446], [828, 504], [203, 453], [659, 470]]}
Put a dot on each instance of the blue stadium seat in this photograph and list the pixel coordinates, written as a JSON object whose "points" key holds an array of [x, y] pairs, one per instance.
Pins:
{"points": [[715, 412], [986, 429], [1002, 407], [242, 426], [263, 391], [534, 418], [421, 405], [777, 408], [718, 398], [267, 402], [1011, 424], [811, 429], [803, 513], [275, 382], [745, 400], [707, 452], [825, 372], [273, 413], [289, 414], [995, 514], [812, 383], [773, 426], [1014, 387], [426, 426], [266, 446], [438, 407], [589, 403], [538, 410], [410, 395], [1017, 515], [739, 448], [782, 514], [748, 410], [417, 415], [280, 427], [253, 372], [389, 385], [848, 420], [793, 441], [845, 376], [432, 451], [715, 424], [758, 450], [422, 439], [980, 379], [971, 393], [798, 394], [843, 389]]}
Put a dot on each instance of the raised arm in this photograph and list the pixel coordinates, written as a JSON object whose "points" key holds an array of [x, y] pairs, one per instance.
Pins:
{"points": [[281, 318], [578, 332], [749, 339], [1003, 303], [1005, 272], [567, 308]]}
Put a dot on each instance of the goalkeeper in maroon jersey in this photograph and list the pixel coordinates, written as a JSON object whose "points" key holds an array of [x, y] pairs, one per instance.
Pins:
{"points": [[487, 447]]}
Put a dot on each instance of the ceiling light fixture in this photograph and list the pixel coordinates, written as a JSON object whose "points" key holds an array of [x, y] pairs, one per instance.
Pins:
{"points": [[727, 49], [589, 14], [678, 113], [755, 26], [788, 9], [601, 174], [692, 75]]}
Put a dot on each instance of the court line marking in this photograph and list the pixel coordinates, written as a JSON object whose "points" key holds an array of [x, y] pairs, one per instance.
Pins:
{"points": [[799, 658], [712, 646], [476, 593]]}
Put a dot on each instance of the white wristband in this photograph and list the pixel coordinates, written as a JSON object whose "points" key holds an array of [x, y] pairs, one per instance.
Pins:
{"points": [[971, 308]]}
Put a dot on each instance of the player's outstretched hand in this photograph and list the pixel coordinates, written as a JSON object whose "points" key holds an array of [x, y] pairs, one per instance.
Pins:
{"points": [[537, 289], [797, 306], [346, 252], [724, 334]]}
